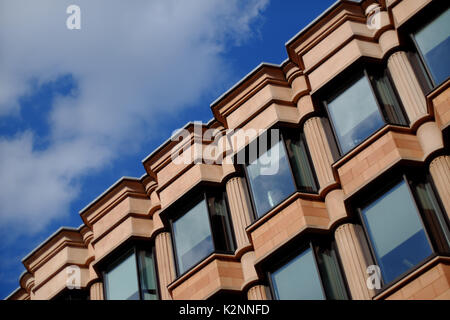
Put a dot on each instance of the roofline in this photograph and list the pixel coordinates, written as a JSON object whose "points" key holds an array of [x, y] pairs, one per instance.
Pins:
{"points": [[262, 64], [12, 293], [167, 141], [248, 75], [144, 175], [48, 239], [108, 190], [309, 25], [211, 121]]}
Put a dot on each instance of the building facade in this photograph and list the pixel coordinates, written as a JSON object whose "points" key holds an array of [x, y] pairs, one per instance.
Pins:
{"points": [[358, 207]]}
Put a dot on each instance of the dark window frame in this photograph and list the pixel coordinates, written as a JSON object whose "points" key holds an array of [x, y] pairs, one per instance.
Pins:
{"points": [[313, 243], [283, 131], [361, 69], [122, 253], [187, 202], [389, 180]]}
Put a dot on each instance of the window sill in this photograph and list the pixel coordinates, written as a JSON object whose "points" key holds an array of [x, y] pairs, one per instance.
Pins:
{"points": [[283, 204], [406, 278], [194, 269], [369, 141]]}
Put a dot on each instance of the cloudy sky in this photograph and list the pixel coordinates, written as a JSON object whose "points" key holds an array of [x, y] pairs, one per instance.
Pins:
{"points": [[81, 108]]}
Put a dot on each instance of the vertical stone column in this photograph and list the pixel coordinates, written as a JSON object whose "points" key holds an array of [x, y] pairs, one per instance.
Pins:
{"points": [[165, 263], [334, 200], [355, 257], [240, 207], [440, 172], [257, 292], [96, 291], [320, 151], [407, 86]]}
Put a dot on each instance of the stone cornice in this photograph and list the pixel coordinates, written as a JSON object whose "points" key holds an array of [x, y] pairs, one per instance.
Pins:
{"points": [[123, 188]]}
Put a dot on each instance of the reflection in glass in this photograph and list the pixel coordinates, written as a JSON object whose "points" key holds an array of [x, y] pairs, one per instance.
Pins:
{"points": [[433, 214], [301, 166], [298, 279], [270, 186], [434, 43], [331, 276], [390, 105], [147, 275], [223, 238], [122, 281], [355, 114], [192, 235], [396, 232]]}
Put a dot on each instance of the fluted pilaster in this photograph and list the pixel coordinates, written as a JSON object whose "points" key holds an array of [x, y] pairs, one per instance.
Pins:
{"points": [[165, 262], [355, 257], [407, 86], [440, 171], [240, 208], [257, 292], [96, 291], [320, 151]]}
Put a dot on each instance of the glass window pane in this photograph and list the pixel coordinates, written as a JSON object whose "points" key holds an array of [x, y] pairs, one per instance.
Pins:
{"points": [[301, 166], [270, 178], [192, 234], [388, 99], [298, 279], [355, 114], [396, 232], [434, 43], [331, 274], [148, 275], [223, 238], [122, 280], [432, 212]]}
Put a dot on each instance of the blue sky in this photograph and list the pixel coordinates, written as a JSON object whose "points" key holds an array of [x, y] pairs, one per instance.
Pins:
{"points": [[81, 108]]}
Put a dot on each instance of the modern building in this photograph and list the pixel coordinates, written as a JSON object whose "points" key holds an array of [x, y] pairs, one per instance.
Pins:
{"points": [[358, 207]]}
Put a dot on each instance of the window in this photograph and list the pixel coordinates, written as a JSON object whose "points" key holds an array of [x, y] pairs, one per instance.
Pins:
{"points": [[131, 277], [203, 228], [280, 170], [433, 43], [398, 233], [361, 106], [313, 274]]}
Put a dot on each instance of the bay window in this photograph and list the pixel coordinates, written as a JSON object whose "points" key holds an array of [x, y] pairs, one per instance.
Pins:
{"points": [[405, 227], [359, 103], [200, 226], [432, 42], [131, 276], [311, 274], [279, 170]]}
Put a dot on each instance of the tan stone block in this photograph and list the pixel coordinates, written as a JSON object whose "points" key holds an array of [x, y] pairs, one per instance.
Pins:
{"points": [[440, 285], [388, 146], [396, 296], [412, 288], [375, 156], [371, 172], [444, 296], [426, 293], [389, 159], [429, 276]]}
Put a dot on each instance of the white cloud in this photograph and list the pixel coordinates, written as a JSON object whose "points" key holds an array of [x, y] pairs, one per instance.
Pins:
{"points": [[135, 62]]}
